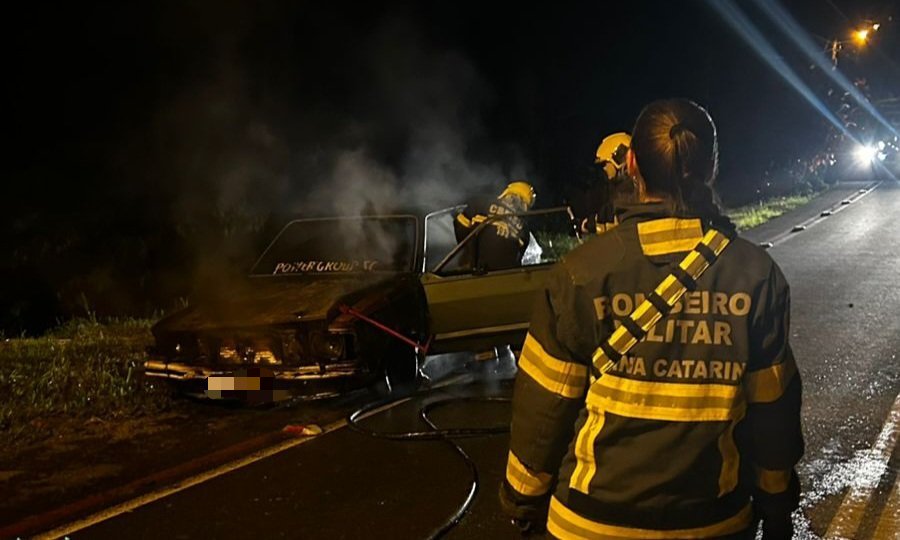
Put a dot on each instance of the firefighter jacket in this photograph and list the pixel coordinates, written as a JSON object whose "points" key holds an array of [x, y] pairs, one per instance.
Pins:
{"points": [[501, 243], [691, 433]]}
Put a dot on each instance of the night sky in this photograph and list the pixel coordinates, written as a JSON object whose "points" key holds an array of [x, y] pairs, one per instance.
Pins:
{"points": [[152, 125]]}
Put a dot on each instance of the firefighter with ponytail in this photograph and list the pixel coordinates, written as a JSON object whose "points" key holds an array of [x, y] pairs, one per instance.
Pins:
{"points": [[657, 394]]}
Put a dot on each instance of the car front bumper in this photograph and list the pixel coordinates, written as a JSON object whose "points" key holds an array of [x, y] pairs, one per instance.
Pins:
{"points": [[256, 383]]}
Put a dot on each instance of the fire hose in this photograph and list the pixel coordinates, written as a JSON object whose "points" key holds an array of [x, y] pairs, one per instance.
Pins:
{"points": [[434, 433]]}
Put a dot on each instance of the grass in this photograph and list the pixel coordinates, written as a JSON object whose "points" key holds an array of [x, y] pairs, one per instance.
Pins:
{"points": [[752, 215], [82, 369], [554, 245]]}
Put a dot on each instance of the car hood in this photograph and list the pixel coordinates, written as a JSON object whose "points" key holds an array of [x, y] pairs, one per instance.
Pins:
{"points": [[271, 302]]}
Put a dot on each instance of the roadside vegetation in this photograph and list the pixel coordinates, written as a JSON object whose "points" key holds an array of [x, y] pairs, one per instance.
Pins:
{"points": [[752, 215], [83, 370]]}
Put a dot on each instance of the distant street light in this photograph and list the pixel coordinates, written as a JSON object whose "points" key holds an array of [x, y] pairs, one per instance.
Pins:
{"points": [[860, 37]]}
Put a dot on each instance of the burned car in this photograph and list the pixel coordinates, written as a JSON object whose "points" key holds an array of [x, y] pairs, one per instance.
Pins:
{"points": [[336, 303]]}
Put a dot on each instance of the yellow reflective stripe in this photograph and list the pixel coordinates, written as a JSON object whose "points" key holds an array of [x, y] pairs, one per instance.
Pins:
{"points": [[772, 481], [523, 480], [467, 223], [665, 388], [717, 242], [731, 459], [671, 290], [584, 451], [667, 225], [670, 235], [694, 264], [767, 385], [566, 524], [674, 402], [646, 315], [567, 379], [601, 228]]}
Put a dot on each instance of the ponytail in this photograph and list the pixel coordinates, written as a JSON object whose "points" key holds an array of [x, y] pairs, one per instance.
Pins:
{"points": [[676, 147]]}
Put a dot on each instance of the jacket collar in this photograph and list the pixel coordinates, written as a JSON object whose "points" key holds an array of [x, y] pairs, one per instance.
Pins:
{"points": [[643, 212], [637, 212]]}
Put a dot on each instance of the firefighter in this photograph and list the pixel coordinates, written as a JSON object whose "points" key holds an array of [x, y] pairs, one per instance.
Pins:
{"points": [[695, 431], [594, 208], [502, 242]]}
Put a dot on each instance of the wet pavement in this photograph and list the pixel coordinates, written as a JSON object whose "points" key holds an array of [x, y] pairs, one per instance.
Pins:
{"points": [[843, 273], [846, 336]]}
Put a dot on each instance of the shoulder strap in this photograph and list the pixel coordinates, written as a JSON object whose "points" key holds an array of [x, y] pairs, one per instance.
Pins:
{"points": [[659, 302]]}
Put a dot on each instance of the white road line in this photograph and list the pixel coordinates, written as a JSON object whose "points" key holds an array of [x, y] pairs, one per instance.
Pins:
{"points": [[780, 238], [259, 455], [849, 516]]}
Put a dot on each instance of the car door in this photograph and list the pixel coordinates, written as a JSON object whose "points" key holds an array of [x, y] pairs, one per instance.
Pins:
{"points": [[474, 310]]}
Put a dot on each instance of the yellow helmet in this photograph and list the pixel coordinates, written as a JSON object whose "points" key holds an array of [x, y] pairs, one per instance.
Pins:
{"points": [[520, 189], [611, 153]]}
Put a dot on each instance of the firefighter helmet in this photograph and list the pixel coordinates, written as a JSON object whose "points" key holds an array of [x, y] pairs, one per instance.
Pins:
{"points": [[611, 153], [520, 189]]}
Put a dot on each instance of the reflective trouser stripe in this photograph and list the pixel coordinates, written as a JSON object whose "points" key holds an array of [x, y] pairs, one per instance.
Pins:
{"points": [[566, 524]]}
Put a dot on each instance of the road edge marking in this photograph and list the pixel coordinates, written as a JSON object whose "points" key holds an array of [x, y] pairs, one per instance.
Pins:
{"points": [[846, 521], [890, 515], [834, 209], [155, 495], [158, 494]]}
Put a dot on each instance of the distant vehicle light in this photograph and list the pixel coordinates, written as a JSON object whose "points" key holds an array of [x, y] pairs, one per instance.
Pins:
{"points": [[865, 154]]}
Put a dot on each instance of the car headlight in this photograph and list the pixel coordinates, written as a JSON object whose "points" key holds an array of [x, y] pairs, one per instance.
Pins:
{"points": [[865, 154], [327, 345]]}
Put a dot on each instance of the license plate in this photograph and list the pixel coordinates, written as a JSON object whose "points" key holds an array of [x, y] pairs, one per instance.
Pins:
{"points": [[233, 383]]}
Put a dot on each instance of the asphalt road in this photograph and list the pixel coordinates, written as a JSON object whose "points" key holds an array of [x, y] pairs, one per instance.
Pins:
{"points": [[843, 271]]}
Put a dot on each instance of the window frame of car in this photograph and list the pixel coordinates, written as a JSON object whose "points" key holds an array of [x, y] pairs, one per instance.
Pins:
{"points": [[437, 270]]}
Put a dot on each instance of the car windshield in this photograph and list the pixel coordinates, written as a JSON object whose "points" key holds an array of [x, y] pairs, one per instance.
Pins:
{"points": [[341, 246]]}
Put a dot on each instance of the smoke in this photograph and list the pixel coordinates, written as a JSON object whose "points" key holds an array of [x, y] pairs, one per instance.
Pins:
{"points": [[357, 122], [389, 122], [196, 130], [433, 101]]}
